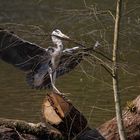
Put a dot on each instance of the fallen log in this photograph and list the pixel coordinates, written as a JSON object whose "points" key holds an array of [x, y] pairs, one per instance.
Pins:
{"points": [[21, 130], [60, 120], [131, 118]]}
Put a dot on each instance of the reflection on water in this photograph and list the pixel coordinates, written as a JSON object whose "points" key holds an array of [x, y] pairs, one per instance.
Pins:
{"points": [[89, 85]]}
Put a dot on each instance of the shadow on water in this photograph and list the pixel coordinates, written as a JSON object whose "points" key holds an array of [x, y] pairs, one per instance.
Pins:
{"points": [[89, 85]]}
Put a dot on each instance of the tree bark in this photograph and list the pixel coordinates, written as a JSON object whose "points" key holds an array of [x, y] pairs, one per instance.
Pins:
{"points": [[131, 118]]}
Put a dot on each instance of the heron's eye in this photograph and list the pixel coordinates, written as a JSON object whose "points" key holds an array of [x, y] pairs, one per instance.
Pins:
{"points": [[57, 31]]}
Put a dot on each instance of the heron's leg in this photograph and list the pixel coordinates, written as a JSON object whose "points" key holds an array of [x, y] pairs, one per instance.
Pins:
{"points": [[52, 81], [54, 77]]}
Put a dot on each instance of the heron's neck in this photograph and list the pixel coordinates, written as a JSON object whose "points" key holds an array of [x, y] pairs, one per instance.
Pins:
{"points": [[59, 44], [59, 47]]}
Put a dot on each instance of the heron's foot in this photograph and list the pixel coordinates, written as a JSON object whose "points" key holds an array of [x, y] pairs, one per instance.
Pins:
{"points": [[60, 93], [56, 90], [64, 95]]}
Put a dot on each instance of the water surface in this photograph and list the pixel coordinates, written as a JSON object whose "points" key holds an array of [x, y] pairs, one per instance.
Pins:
{"points": [[89, 85]]}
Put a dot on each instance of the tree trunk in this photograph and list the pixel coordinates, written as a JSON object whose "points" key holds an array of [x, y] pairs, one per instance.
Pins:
{"points": [[61, 114]]}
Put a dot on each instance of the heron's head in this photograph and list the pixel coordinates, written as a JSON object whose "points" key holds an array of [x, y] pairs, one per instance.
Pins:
{"points": [[57, 35]]}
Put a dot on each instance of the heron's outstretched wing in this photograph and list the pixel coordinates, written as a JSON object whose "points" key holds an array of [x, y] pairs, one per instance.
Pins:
{"points": [[71, 58], [18, 52], [26, 56], [68, 62]]}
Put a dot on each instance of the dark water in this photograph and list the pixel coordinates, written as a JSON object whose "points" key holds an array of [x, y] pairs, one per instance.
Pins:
{"points": [[89, 85]]}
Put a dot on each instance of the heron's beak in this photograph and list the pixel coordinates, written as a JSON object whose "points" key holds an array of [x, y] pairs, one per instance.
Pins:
{"points": [[62, 36], [65, 36]]}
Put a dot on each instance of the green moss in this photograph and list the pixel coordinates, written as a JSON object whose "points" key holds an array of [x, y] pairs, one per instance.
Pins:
{"points": [[131, 107]]}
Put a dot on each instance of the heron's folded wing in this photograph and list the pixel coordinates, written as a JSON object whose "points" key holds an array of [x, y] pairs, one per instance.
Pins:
{"points": [[18, 52]]}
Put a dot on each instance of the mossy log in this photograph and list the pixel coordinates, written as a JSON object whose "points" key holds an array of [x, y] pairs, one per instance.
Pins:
{"points": [[22, 129], [131, 118]]}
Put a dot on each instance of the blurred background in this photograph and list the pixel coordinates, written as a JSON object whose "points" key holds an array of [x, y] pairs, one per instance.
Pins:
{"points": [[89, 85]]}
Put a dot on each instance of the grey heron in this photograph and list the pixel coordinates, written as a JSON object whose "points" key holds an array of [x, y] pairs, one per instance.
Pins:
{"points": [[28, 56], [42, 65], [55, 56]]}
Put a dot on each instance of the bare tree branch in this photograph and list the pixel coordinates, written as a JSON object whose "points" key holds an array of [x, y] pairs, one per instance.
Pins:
{"points": [[115, 73]]}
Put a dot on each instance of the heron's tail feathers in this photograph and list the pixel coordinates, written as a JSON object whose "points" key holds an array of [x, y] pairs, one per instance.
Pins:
{"points": [[38, 81]]}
